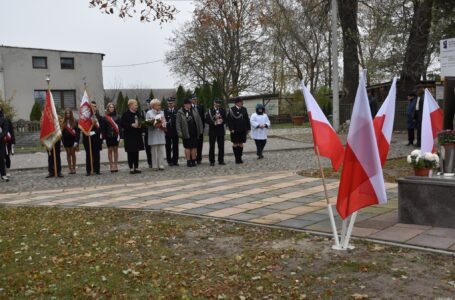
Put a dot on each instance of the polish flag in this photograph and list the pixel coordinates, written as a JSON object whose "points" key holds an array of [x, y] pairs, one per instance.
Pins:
{"points": [[383, 122], [432, 117], [50, 132], [324, 136], [86, 113], [362, 182]]}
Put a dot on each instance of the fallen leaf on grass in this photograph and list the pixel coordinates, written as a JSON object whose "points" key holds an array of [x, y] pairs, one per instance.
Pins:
{"points": [[358, 296]]}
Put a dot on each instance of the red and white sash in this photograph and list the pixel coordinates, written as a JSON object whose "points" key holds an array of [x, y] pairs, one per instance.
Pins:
{"points": [[113, 124]]}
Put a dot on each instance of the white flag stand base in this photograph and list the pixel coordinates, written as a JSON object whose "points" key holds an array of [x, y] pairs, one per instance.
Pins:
{"points": [[346, 232]]}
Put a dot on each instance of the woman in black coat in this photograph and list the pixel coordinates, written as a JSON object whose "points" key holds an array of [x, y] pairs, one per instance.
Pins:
{"points": [[111, 132], [132, 135]]}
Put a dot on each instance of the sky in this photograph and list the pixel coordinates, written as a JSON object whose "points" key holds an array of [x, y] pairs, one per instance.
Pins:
{"points": [[72, 25]]}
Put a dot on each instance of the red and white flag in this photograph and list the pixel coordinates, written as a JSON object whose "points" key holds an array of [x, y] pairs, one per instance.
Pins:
{"points": [[50, 131], [362, 182], [324, 136], [86, 113], [432, 117], [383, 122]]}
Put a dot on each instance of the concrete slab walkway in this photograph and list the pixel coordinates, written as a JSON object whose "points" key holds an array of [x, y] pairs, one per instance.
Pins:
{"points": [[281, 199]]}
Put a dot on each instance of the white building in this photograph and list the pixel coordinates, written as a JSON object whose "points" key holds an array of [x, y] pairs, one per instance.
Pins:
{"points": [[23, 74]]}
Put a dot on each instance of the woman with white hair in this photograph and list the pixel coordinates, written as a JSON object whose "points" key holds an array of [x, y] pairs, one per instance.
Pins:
{"points": [[156, 134]]}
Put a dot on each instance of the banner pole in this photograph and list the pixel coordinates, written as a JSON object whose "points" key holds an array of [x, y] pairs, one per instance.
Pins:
{"points": [[349, 232], [343, 230], [329, 206], [91, 155], [55, 161]]}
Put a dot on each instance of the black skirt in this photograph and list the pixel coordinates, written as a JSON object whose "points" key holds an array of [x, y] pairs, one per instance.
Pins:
{"points": [[238, 137], [190, 143], [112, 142]]}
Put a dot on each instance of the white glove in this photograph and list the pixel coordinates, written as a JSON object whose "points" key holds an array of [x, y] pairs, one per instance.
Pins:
{"points": [[12, 149], [92, 133]]}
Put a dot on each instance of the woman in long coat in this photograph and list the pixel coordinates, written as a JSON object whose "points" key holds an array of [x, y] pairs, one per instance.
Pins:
{"points": [[132, 135], [156, 134], [189, 128]]}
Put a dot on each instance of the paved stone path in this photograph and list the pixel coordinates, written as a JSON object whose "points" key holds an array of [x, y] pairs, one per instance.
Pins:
{"points": [[282, 199]]}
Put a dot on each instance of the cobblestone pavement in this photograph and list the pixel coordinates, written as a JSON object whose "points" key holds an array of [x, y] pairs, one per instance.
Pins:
{"points": [[281, 199]]}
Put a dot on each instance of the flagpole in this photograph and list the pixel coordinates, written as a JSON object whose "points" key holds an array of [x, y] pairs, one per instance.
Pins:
{"points": [[349, 232], [329, 206]]}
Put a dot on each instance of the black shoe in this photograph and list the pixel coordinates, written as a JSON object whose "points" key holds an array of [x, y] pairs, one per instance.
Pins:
{"points": [[189, 164], [199, 162], [409, 144], [87, 174], [170, 164], [193, 163], [417, 145], [222, 163], [60, 175], [6, 179], [212, 164], [137, 172], [48, 176], [132, 172], [176, 164]]}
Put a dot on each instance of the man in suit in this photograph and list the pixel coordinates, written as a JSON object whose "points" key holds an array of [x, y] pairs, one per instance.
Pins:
{"points": [[148, 148], [418, 114], [96, 141], [3, 133], [216, 119], [172, 139], [200, 111]]}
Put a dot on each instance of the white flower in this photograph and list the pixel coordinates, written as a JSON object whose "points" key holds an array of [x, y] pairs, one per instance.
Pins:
{"points": [[417, 159], [429, 156], [416, 152], [409, 159], [436, 157]]}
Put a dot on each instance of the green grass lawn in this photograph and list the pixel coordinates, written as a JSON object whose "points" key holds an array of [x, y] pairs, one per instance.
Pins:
{"points": [[102, 253]]}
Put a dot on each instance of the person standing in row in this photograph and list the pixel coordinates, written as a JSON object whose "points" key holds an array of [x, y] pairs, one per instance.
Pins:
{"points": [[92, 156], [200, 143], [410, 118], [10, 142], [3, 133], [111, 132], [172, 139], [239, 126], [70, 138], [148, 149], [418, 113], [132, 136], [156, 135], [260, 124], [216, 119], [189, 128]]}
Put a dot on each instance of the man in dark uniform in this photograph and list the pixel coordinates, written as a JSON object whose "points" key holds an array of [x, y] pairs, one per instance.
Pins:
{"points": [[172, 139], [148, 149], [50, 161], [96, 143], [418, 113], [216, 119], [239, 126], [3, 133], [200, 111]]}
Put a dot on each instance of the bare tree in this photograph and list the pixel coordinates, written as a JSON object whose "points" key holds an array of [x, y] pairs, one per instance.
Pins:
{"points": [[221, 43]]}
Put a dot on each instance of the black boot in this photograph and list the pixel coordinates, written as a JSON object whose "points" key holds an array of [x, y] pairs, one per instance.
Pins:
{"points": [[237, 155], [193, 163], [240, 154], [189, 164]]}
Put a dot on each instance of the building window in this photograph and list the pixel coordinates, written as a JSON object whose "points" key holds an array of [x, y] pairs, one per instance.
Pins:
{"points": [[62, 98], [67, 62], [39, 62]]}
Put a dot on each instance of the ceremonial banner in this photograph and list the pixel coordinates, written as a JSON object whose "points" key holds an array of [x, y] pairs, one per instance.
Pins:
{"points": [[86, 113], [362, 182], [50, 127], [432, 117], [383, 122], [324, 136]]}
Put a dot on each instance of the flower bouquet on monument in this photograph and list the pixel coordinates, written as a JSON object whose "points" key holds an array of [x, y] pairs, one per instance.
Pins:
{"points": [[423, 162]]}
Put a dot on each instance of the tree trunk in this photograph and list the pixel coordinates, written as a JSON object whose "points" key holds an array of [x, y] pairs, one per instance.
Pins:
{"points": [[414, 61], [348, 18]]}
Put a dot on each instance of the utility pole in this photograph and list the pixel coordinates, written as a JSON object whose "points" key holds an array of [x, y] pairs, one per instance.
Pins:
{"points": [[335, 86]]}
